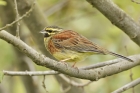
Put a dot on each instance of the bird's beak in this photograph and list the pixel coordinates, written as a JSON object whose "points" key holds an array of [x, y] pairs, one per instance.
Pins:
{"points": [[43, 32]]}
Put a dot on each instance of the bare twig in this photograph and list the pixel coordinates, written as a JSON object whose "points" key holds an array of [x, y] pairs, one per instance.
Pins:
{"points": [[101, 64], [17, 17], [20, 18], [73, 83], [128, 86], [131, 78], [29, 73], [43, 84], [135, 1]]}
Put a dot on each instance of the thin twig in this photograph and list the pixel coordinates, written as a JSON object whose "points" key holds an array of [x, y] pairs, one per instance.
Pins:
{"points": [[20, 18], [131, 78], [43, 84], [101, 64], [29, 73], [38, 73], [17, 17], [128, 86]]}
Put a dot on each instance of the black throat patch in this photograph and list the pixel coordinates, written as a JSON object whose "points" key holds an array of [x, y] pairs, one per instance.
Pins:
{"points": [[46, 35]]}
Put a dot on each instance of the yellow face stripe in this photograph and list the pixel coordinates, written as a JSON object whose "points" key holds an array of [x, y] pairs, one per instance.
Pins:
{"points": [[54, 29]]}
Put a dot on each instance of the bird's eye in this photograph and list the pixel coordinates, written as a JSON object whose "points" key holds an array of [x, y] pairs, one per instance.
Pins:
{"points": [[49, 31]]}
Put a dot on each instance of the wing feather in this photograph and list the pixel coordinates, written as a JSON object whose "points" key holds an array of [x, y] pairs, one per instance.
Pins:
{"points": [[71, 40]]}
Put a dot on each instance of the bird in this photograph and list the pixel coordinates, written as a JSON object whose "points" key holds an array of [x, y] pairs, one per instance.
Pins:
{"points": [[70, 46]]}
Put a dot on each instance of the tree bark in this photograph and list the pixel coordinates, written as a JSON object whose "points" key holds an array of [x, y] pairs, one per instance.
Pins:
{"points": [[118, 17]]}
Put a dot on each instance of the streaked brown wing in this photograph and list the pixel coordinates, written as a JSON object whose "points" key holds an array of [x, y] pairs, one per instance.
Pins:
{"points": [[73, 41]]}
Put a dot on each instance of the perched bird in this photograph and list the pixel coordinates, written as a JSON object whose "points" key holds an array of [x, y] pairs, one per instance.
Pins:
{"points": [[69, 46]]}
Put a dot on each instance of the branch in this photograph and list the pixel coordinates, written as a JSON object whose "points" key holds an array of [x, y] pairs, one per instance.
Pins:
{"points": [[35, 22], [20, 18], [128, 86], [100, 64], [93, 75], [17, 16], [118, 17], [29, 73], [40, 73]]}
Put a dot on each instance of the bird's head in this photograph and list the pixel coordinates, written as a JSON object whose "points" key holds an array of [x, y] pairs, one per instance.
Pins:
{"points": [[50, 31]]}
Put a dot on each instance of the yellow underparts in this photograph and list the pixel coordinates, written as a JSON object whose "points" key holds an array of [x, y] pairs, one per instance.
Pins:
{"points": [[71, 56]]}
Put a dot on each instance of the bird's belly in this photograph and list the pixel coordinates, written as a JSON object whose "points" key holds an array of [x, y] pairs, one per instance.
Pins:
{"points": [[71, 56]]}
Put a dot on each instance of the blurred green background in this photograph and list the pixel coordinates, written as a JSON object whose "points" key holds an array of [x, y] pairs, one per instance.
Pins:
{"points": [[80, 16]]}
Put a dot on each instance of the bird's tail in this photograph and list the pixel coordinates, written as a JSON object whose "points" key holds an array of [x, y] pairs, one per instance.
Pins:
{"points": [[120, 56]]}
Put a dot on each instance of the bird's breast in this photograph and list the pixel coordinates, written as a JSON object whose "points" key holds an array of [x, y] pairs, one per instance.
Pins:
{"points": [[50, 46]]}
